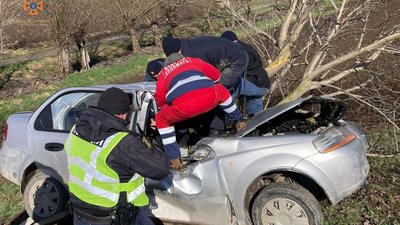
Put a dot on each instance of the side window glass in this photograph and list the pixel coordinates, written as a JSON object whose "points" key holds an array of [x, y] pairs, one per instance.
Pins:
{"points": [[63, 113]]}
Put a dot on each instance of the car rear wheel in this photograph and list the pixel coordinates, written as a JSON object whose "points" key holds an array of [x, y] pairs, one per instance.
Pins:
{"points": [[286, 204], [44, 196]]}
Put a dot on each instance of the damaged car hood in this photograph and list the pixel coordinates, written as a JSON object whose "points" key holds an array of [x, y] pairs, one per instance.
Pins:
{"points": [[330, 110]]}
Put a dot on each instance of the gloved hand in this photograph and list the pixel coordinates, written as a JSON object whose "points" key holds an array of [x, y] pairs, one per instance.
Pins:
{"points": [[176, 164]]}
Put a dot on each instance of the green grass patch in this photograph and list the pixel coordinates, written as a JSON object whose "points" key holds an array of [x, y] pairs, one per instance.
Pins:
{"points": [[104, 51], [385, 141], [30, 70], [13, 53], [10, 201], [7, 69]]}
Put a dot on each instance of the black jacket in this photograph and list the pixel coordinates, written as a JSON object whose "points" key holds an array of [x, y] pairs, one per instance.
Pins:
{"points": [[256, 73], [217, 51], [230, 58], [130, 156]]}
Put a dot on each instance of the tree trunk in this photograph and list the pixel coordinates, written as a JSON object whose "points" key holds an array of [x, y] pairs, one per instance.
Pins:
{"points": [[209, 24], [134, 41], [63, 61], [1, 41], [279, 62], [304, 87], [233, 21], [156, 36], [84, 55]]}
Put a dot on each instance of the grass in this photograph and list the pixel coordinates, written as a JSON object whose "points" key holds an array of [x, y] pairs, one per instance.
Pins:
{"points": [[30, 70], [11, 201], [384, 142], [13, 53]]}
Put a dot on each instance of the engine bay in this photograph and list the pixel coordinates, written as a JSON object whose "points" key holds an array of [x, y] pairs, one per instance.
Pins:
{"points": [[310, 116]]}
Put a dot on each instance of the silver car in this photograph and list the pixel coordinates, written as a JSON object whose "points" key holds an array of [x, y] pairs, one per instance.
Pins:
{"points": [[288, 159]]}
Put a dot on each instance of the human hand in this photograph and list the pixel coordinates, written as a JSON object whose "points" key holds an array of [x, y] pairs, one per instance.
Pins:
{"points": [[240, 126], [176, 164], [153, 124]]}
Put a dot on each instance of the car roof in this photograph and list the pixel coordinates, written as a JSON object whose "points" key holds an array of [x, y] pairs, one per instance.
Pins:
{"points": [[149, 86]]}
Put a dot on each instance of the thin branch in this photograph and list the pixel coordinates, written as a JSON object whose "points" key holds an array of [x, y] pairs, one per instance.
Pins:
{"points": [[380, 156], [285, 26], [240, 18], [363, 32], [377, 110], [353, 54]]}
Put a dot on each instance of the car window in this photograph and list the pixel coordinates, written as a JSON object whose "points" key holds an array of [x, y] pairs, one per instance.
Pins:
{"points": [[62, 113]]}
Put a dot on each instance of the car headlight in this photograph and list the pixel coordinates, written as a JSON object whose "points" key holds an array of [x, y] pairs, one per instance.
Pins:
{"points": [[333, 139], [202, 153]]}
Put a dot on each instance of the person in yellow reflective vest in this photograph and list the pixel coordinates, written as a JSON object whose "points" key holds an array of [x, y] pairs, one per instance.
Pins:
{"points": [[107, 165]]}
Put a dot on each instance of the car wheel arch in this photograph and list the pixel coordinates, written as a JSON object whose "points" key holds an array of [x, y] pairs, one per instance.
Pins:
{"points": [[27, 175], [32, 169], [282, 176]]}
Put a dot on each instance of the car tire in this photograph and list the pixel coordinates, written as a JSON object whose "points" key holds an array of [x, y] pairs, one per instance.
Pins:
{"points": [[44, 197], [300, 206]]}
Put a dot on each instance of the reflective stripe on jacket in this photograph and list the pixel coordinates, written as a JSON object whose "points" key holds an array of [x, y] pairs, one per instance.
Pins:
{"points": [[92, 180]]}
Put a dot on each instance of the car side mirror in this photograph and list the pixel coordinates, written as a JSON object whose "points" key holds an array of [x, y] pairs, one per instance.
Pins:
{"points": [[54, 147]]}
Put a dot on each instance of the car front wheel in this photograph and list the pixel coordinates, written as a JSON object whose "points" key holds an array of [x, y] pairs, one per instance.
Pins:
{"points": [[286, 204], [44, 196]]}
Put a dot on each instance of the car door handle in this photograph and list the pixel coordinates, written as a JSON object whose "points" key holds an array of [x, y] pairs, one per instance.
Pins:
{"points": [[54, 147]]}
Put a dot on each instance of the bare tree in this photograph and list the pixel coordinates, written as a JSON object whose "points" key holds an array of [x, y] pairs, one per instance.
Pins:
{"points": [[208, 9], [8, 15], [171, 13], [154, 19], [80, 41], [67, 21], [306, 44], [129, 14]]}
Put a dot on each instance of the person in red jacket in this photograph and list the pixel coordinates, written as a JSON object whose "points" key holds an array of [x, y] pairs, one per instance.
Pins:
{"points": [[186, 88]]}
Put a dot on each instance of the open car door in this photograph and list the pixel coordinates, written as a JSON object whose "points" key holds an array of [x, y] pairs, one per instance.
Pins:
{"points": [[145, 107]]}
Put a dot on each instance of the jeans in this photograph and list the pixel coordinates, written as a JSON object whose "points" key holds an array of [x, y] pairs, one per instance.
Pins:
{"points": [[142, 218], [254, 96]]}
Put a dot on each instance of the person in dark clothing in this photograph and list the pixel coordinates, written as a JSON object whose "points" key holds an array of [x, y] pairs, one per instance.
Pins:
{"points": [[153, 69], [185, 89], [254, 85], [229, 58], [107, 165]]}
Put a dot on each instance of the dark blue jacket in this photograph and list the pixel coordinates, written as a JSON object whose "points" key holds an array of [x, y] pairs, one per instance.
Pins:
{"points": [[230, 58], [256, 73]]}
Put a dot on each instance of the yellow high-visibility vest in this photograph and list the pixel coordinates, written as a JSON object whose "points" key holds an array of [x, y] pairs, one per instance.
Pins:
{"points": [[92, 180]]}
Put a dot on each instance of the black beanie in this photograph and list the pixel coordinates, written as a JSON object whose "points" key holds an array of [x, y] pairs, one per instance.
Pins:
{"points": [[171, 45], [230, 35], [154, 67], [114, 101]]}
